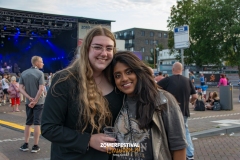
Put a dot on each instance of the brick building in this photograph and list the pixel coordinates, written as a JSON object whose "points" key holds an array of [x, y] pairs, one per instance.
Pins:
{"points": [[143, 40]]}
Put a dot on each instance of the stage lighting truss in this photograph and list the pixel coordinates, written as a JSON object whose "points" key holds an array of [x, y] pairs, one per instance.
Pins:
{"points": [[34, 22]]}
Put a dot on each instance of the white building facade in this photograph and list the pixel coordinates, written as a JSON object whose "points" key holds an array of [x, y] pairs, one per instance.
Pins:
{"points": [[164, 58]]}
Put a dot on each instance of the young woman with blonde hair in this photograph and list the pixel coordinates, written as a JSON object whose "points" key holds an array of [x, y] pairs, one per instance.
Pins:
{"points": [[81, 101]]}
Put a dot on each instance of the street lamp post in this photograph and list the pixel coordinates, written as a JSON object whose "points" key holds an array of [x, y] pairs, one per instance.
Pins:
{"points": [[154, 57], [157, 58]]}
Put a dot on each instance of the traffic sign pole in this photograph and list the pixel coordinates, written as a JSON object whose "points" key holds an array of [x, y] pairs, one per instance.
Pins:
{"points": [[182, 60], [181, 41]]}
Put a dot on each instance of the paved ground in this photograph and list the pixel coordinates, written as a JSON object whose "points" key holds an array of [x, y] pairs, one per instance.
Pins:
{"points": [[203, 120], [225, 147], [10, 142], [216, 147]]}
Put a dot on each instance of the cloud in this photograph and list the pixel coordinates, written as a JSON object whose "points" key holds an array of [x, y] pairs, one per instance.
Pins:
{"points": [[136, 13]]}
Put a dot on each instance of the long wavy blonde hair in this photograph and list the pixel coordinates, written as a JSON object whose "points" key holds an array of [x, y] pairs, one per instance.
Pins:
{"points": [[93, 107]]}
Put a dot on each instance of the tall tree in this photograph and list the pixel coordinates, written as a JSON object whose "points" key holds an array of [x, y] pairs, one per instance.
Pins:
{"points": [[180, 15], [214, 30], [230, 13]]}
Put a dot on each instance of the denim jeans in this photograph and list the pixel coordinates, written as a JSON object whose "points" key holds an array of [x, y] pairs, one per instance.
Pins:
{"points": [[190, 149]]}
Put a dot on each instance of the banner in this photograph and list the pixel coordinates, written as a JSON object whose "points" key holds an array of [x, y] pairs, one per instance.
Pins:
{"points": [[212, 79], [83, 28]]}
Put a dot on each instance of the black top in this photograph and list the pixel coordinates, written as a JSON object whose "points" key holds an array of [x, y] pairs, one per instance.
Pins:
{"points": [[115, 101], [181, 88], [60, 122]]}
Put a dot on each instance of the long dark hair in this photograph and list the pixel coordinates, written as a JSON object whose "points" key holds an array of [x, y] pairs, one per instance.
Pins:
{"points": [[146, 90]]}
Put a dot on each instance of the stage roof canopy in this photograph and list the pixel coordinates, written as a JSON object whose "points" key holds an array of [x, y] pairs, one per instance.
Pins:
{"points": [[33, 24]]}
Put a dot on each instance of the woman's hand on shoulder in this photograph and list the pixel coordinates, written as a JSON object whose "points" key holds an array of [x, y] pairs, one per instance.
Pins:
{"points": [[97, 139]]}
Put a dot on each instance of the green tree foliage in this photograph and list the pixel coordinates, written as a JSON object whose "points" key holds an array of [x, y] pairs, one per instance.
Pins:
{"points": [[214, 30]]}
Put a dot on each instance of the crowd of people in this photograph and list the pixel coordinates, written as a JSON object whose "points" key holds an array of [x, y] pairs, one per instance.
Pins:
{"points": [[101, 88], [208, 102], [9, 89]]}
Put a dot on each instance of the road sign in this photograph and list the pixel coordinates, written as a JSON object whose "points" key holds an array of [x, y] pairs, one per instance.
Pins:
{"points": [[181, 37]]}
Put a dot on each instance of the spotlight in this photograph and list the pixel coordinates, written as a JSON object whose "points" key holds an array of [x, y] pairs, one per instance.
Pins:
{"points": [[31, 38], [4, 28], [47, 40], [28, 20], [64, 24], [17, 29], [9, 38], [2, 36], [70, 24], [50, 23], [49, 33]]}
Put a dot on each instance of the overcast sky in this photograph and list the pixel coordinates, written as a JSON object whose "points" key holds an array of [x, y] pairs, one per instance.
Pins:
{"points": [[151, 14]]}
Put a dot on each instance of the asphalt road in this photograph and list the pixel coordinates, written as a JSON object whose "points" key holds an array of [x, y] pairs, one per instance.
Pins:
{"points": [[215, 147]]}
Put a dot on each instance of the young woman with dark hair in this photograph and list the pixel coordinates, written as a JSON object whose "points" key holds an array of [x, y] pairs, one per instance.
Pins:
{"points": [[149, 116]]}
